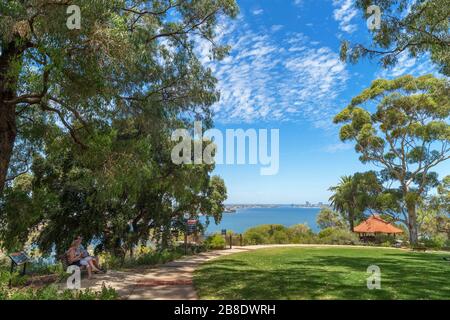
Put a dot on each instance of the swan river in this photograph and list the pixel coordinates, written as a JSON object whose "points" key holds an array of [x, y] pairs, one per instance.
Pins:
{"points": [[245, 218]]}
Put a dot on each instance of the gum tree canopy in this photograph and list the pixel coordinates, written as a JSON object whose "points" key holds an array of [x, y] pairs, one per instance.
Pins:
{"points": [[404, 129], [129, 57], [407, 27]]}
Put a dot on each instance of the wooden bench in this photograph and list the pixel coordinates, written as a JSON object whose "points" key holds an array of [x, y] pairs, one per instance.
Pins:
{"points": [[65, 262], [420, 248]]}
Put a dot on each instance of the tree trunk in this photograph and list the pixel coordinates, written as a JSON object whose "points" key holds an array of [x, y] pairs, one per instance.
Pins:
{"points": [[7, 138], [412, 224], [351, 219], [8, 129]]}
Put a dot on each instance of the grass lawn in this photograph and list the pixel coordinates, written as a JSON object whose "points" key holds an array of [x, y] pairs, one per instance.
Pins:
{"points": [[324, 273]]}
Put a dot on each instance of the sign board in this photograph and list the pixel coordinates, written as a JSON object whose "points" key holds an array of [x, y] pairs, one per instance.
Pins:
{"points": [[224, 232], [19, 258], [192, 222]]}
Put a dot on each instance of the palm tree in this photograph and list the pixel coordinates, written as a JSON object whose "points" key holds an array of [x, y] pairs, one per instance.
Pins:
{"points": [[343, 199], [354, 194]]}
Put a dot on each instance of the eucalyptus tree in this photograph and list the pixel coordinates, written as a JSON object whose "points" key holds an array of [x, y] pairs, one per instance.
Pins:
{"points": [[125, 57], [121, 191], [401, 126], [328, 218], [406, 27]]}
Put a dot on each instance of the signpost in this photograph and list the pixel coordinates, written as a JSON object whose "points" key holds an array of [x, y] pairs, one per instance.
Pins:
{"points": [[18, 259], [191, 227]]}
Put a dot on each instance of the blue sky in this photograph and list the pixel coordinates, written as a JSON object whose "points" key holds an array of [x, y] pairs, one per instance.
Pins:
{"points": [[284, 72]]}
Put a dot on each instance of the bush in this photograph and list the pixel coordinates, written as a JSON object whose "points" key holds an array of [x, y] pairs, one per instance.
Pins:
{"points": [[215, 242], [144, 257], [328, 218], [280, 237], [386, 244], [47, 292], [278, 234], [301, 233], [253, 237], [436, 242], [337, 236], [266, 234], [52, 293]]}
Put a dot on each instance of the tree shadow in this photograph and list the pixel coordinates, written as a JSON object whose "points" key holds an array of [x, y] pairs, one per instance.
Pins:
{"points": [[403, 276]]}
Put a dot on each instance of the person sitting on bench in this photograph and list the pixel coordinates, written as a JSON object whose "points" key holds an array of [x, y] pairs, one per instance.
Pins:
{"points": [[76, 259], [85, 254]]}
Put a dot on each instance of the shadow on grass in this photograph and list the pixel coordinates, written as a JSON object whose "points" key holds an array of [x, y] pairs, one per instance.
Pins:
{"points": [[403, 276]]}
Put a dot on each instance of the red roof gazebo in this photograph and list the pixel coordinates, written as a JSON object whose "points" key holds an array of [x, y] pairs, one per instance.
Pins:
{"points": [[374, 225]]}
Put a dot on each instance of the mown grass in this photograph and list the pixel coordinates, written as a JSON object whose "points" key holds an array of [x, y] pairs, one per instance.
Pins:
{"points": [[324, 273]]}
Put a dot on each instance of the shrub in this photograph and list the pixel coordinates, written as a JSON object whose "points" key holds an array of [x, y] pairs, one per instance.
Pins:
{"points": [[52, 293], [299, 230], [301, 233], [328, 218], [386, 244], [266, 234], [437, 241], [280, 237], [278, 234], [253, 237], [143, 257], [337, 236], [216, 242]]}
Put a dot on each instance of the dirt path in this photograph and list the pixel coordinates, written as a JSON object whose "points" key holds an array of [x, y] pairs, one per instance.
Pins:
{"points": [[171, 281]]}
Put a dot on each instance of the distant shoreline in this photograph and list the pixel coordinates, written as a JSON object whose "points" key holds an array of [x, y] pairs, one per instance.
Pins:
{"points": [[232, 208]]}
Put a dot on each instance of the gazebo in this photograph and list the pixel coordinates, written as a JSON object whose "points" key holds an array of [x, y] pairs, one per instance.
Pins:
{"points": [[375, 225]]}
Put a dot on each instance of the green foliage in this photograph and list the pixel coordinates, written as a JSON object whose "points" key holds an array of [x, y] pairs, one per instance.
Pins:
{"points": [[215, 242], [328, 218], [407, 135], [264, 234], [148, 258], [52, 293], [97, 107], [438, 241], [411, 28], [278, 234], [351, 197], [300, 233], [21, 291], [337, 236], [126, 193]]}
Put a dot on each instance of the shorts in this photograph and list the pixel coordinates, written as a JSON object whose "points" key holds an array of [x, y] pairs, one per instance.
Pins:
{"points": [[85, 261]]}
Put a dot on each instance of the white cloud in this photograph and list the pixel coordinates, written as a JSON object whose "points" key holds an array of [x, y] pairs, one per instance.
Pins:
{"points": [[408, 65], [336, 147], [268, 79], [276, 27], [258, 12], [344, 13], [298, 3]]}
